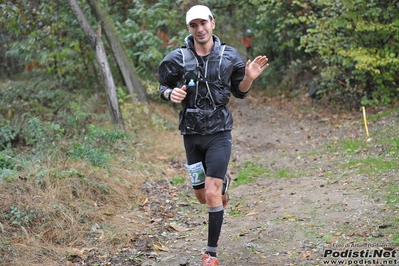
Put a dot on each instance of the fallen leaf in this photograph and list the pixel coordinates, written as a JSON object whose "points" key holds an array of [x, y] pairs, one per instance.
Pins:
{"points": [[156, 220], [306, 254], [160, 246], [252, 213], [334, 240], [243, 233], [81, 251], [177, 228], [170, 170], [289, 217], [169, 215], [144, 202]]}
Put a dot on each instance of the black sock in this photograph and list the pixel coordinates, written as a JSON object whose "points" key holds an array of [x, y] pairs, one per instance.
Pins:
{"points": [[214, 228]]}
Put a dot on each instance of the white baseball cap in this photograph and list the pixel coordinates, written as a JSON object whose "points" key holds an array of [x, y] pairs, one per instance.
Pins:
{"points": [[198, 12]]}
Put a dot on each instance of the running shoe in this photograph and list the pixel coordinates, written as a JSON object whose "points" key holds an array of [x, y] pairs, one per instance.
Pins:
{"points": [[208, 260], [225, 194]]}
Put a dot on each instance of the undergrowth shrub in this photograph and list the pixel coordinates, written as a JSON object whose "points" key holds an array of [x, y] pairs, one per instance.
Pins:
{"points": [[22, 215], [37, 97], [8, 134], [97, 145], [105, 136], [44, 119], [6, 162], [7, 167], [96, 156], [357, 48]]}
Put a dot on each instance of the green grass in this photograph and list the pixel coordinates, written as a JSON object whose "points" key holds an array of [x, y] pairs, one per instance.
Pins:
{"points": [[396, 238], [392, 196], [350, 146], [372, 165], [347, 146], [391, 146], [235, 213], [286, 174], [178, 180], [249, 172], [383, 114]]}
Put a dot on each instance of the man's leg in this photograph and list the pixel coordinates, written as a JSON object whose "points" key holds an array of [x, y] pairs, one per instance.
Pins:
{"points": [[217, 159], [214, 153], [213, 196], [200, 194]]}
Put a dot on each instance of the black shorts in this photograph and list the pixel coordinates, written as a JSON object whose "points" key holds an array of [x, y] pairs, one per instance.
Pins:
{"points": [[212, 150]]}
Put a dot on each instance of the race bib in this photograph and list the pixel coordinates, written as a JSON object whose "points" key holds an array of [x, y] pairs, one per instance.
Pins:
{"points": [[197, 173]]}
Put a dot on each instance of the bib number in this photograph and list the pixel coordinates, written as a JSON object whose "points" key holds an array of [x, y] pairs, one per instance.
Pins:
{"points": [[197, 173]]}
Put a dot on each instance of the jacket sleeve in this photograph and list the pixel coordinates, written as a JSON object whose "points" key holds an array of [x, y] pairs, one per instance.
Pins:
{"points": [[238, 75], [170, 72]]}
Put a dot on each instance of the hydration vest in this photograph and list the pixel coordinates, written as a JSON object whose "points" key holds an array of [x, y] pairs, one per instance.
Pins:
{"points": [[207, 73]]}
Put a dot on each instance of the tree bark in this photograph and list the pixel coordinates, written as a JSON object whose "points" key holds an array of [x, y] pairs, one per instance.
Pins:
{"points": [[123, 60], [101, 58]]}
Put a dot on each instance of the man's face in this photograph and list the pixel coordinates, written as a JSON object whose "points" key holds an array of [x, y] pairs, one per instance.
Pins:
{"points": [[201, 30]]}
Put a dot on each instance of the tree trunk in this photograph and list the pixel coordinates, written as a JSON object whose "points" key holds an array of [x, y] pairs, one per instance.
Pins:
{"points": [[123, 60], [101, 58]]}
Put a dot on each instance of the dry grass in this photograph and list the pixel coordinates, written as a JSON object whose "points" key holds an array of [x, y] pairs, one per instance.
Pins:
{"points": [[61, 207]]}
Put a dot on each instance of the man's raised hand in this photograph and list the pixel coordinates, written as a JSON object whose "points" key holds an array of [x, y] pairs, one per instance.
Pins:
{"points": [[254, 68]]}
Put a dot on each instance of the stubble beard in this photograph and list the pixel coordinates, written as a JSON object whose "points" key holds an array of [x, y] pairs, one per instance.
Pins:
{"points": [[205, 40]]}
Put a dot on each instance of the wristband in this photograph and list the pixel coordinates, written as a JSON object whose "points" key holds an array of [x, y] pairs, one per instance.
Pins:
{"points": [[168, 94]]}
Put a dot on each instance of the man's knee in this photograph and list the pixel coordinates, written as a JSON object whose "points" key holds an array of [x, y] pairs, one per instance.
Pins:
{"points": [[213, 189], [212, 193]]}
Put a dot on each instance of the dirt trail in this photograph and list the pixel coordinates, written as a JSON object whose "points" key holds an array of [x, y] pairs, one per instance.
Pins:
{"points": [[288, 221], [291, 220]]}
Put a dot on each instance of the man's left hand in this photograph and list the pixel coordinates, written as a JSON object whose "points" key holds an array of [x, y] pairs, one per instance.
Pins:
{"points": [[254, 68]]}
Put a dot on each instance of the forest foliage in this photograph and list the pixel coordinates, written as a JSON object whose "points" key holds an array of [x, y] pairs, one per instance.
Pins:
{"points": [[341, 52], [345, 49]]}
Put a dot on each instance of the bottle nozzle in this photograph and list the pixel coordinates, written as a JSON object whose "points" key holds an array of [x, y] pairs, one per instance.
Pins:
{"points": [[191, 83]]}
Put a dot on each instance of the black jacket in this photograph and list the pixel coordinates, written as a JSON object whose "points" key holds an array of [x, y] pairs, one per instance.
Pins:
{"points": [[204, 109]]}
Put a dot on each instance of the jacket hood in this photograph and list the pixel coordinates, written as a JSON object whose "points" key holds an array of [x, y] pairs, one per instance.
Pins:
{"points": [[189, 40]]}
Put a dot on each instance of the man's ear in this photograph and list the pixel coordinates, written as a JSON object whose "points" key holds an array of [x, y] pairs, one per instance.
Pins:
{"points": [[213, 23]]}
